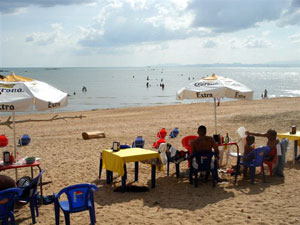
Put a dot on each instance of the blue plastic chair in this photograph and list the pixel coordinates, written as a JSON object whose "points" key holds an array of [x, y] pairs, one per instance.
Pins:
{"points": [[174, 133], [256, 160], [138, 143], [80, 197], [7, 198], [24, 140], [205, 164], [30, 195]]}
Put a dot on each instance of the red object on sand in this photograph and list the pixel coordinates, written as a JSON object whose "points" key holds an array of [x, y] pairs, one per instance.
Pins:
{"points": [[162, 133], [3, 140]]}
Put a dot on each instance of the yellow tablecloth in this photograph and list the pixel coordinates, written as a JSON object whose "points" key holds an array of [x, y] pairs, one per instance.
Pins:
{"points": [[292, 137], [114, 161]]}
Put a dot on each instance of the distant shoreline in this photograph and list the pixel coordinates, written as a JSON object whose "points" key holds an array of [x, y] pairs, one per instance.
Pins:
{"points": [[138, 107]]}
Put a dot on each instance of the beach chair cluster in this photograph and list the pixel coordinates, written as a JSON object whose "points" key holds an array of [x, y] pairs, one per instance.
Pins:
{"points": [[80, 197]]}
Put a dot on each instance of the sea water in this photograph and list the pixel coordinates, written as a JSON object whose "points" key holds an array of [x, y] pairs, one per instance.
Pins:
{"points": [[126, 87]]}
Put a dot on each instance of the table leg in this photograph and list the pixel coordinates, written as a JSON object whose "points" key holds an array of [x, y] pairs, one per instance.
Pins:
{"points": [[136, 171], [108, 177], [123, 183], [177, 169], [153, 168], [295, 149], [101, 165], [124, 178], [41, 184], [31, 172]]}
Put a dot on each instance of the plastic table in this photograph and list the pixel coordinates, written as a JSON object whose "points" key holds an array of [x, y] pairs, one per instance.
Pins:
{"points": [[227, 153], [23, 165], [116, 162], [291, 137]]}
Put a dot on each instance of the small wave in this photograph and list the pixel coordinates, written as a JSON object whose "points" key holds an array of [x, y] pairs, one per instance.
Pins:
{"points": [[294, 92]]}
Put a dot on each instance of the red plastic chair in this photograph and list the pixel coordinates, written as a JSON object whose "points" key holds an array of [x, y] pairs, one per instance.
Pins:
{"points": [[270, 164], [162, 133], [186, 142]]}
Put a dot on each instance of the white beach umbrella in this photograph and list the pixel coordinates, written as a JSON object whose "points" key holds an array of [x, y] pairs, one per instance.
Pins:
{"points": [[22, 94], [215, 87]]}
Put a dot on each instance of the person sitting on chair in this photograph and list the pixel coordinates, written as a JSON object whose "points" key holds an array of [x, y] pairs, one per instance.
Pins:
{"points": [[250, 139], [204, 144], [271, 135], [6, 182]]}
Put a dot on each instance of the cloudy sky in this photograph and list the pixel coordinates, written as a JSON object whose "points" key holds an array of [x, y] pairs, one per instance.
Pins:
{"points": [[147, 32]]}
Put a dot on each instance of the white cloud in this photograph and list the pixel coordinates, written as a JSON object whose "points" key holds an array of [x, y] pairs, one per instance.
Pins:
{"points": [[255, 42], [209, 43], [295, 38], [48, 38], [250, 42], [120, 24], [233, 15], [290, 15], [12, 6]]}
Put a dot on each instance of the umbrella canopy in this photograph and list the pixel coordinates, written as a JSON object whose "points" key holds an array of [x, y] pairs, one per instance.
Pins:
{"points": [[21, 94], [215, 87]]}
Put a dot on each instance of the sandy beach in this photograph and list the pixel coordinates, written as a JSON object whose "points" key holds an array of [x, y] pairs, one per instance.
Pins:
{"points": [[68, 159]]}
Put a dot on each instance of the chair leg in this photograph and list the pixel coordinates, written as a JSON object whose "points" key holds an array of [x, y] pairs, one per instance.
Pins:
{"points": [[168, 167], [56, 211], [100, 166], [36, 206], [214, 178], [67, 218], [32, 208], [136, 171], [191, 174], [270, 169], [92, 215], [153, 171], [5, 221], [196, 179], [252, 169], [177, 169], [263, 174]]}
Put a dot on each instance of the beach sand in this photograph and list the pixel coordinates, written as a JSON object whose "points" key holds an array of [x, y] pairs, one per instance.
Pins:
{"points": [[68, 159]]}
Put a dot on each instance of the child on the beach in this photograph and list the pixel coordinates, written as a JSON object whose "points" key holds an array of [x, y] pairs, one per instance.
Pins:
{"points": [[271, 135], [249, 146]]}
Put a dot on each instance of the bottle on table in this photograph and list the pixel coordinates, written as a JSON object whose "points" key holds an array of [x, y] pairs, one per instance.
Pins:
{"points": [[226, 139]]}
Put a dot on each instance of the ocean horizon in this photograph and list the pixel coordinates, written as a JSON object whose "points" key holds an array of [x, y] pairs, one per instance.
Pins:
{"points": [[119, 87]]}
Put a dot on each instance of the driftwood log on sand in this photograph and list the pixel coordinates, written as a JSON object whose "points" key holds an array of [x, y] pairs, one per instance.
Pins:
{"points": [[93, 134], [8, 122]]}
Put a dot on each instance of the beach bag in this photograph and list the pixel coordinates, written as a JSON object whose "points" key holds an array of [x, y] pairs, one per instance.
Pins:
{"points": [[22, 183], [24, 140]]}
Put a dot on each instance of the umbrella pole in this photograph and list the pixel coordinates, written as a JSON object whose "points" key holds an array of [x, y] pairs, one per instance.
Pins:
{"points": [[215, 105], [15, 147]]}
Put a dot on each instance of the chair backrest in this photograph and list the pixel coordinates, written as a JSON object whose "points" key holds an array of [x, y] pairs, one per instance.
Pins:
{"points": [[31, 189], [259, 154], [203, 160], [162, 133], [186, 142], [78, 195], [7, 198], [138, 143], [174, 133]]}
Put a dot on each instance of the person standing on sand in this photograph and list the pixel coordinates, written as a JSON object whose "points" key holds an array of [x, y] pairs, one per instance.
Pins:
{"points": [[265, 93]]}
